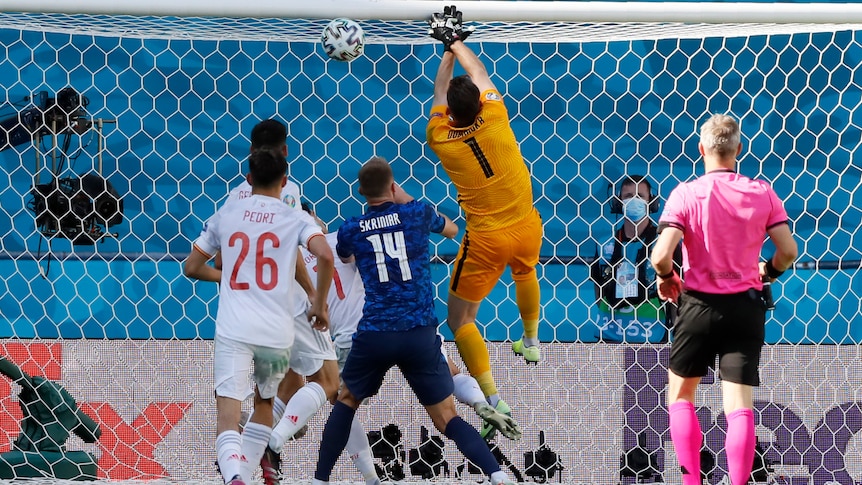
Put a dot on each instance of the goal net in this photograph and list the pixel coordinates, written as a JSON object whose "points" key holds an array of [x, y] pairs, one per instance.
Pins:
{"points": [[123, 127]]}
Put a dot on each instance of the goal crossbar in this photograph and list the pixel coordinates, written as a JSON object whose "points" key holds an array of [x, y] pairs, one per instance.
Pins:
{"points": [[486, 11], [401, 21]]}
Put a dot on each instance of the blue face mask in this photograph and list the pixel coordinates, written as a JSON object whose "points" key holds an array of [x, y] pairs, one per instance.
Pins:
{"points": [[634, 209]]}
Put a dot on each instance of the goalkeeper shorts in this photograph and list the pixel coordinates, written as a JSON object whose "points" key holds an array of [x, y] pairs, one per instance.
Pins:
{"points": [[483, 256]]}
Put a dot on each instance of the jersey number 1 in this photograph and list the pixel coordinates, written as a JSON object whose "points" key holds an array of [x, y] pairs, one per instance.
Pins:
{"points": [[262, 264], [480, 156], [390, 244]]}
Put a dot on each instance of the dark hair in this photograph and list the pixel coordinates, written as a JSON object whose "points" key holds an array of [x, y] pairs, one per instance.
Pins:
{"points": [[634, 180], [268, 134], [267, 167], [463, 99], [375, 177]]}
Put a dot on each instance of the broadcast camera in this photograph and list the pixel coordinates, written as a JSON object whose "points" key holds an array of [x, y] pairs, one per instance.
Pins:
{"points": [[79, 209], [386, 446], [67, 110], [427, 460]]}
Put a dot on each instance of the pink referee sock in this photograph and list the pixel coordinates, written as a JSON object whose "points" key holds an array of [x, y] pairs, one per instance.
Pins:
{"points": [[687, 438], [739, 445]]}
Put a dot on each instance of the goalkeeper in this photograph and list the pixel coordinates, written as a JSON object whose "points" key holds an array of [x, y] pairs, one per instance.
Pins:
{"points": [[469, 130]]}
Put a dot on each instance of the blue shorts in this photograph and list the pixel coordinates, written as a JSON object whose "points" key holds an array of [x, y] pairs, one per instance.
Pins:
{"points": [[416, 352]]}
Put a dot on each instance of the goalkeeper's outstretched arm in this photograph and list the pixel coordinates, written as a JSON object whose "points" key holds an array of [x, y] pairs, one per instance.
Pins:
{"points": [[444, 75], [474, 66]]}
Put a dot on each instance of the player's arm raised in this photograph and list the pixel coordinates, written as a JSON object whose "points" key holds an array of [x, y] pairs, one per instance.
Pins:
{"points": [[319, 314], [444, 75], [474, 66]]}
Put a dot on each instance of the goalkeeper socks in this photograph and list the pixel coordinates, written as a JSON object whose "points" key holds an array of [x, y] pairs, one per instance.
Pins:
{"points": [[301, 407], [229, 453], [277, 410], [336, 433], [360, 451], [687, 438], [739, 445], [467, 390], [472, 446], [471, 346], [527, 296], [530, 341], [255, 436]]}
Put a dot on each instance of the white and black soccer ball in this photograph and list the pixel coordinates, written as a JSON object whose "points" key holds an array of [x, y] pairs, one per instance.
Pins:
{"points": [[343, 40]]}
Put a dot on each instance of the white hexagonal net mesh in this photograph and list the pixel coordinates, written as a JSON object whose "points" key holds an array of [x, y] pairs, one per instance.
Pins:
{"points": [[99, 303]]}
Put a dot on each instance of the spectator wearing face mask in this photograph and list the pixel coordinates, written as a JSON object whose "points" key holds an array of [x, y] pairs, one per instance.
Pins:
{"points": [[627, 306]]}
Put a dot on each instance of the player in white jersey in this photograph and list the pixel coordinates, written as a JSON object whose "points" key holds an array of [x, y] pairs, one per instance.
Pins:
{"points": [[312, 378], [257, 237]]}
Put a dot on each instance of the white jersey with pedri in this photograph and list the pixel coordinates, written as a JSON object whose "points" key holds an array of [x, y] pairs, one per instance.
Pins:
{"points": [[257, 237], [290, 195], [346, 295]]}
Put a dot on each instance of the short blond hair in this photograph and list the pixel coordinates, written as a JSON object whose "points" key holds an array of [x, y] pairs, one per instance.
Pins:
{"points": [[720, 135]]}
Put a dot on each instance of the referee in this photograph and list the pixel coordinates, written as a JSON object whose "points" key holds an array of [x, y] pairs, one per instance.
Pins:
{"points": [[721, 218]]}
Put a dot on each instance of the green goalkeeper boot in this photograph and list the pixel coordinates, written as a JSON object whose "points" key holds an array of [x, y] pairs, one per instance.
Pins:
{"points": [[499, 418], [532, 354]]}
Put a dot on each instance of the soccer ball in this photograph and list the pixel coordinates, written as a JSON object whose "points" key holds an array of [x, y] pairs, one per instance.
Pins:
{"points": [[343, 40]]}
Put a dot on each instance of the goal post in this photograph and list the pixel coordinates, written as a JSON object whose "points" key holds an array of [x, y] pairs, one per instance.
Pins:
{"points": [[596, 91]]}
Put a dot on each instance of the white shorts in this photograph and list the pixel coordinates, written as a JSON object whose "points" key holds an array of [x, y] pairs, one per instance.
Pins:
{"points": [[310, 347], [342, 353], [232, 364]]}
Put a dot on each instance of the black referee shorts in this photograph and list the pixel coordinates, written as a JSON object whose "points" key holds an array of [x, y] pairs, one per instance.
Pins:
{"points": [[730, 326]]}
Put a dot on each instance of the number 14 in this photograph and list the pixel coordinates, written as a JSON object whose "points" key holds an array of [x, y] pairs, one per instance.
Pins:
{"points": [[390, 244]]}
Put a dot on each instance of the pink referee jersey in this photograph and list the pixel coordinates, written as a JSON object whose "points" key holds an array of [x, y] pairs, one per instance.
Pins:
{"points": [[724, 217]]}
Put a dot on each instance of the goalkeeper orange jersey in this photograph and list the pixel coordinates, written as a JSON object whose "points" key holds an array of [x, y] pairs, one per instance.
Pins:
{"points": [[484, 162]]}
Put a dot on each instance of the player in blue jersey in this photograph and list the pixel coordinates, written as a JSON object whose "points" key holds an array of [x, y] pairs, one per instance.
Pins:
{"points": [[389, 244]]}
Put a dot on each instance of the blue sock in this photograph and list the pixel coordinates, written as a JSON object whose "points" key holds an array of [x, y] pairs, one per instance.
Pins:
{"points": [[335, 435], [471, 445]]}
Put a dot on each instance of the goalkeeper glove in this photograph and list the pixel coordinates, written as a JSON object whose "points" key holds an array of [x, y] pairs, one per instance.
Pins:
{"points": [[456, 21], [448, 27], [440, 28]]}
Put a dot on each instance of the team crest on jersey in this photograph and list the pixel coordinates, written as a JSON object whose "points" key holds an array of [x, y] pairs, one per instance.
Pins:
{"points": [[492, 96], [290, 200]]}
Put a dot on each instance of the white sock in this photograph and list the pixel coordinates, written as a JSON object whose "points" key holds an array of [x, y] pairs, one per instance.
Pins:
{"points": [[467, 390], [499, 477], [360, 452], [315, 481], [301, 407], [229, 453], [277, 410], [530, 342], [493, 399], [255, 437]]}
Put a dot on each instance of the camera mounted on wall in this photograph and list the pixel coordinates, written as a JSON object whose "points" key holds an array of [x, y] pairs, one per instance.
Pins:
{"points": [[543, 463], [77, 208], [65, 112], [427, 461], [386, 446]]}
